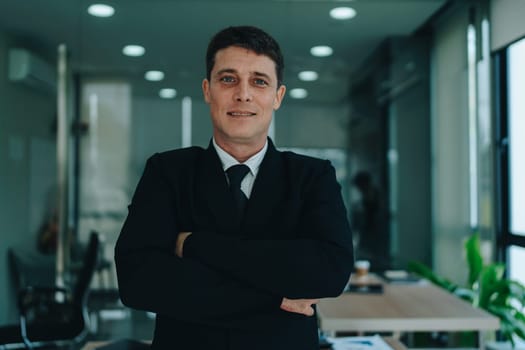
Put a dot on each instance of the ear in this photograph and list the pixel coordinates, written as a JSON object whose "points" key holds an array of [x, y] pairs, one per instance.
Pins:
{"points": [[279, 97], [206, 90]]}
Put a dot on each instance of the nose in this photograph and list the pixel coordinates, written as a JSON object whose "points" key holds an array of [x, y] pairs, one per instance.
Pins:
{"points": [[243, 92]]}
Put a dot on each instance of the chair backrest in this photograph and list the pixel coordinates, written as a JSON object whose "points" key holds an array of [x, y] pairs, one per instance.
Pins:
{"points": [[89, 264], [67, 323], [14, 270]]}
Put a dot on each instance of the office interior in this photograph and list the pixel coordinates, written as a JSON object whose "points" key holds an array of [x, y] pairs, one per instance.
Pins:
{"points": [[426, 97]]}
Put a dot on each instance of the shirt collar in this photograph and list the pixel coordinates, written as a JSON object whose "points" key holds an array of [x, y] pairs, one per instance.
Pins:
{"points": [[254, 162]]}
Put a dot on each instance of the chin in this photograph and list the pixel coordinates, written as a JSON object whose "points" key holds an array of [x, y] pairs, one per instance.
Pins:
{"points": [[242, 138]]}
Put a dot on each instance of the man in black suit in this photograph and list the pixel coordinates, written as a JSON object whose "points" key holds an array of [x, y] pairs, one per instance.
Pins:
{"points": [[235, 258]]}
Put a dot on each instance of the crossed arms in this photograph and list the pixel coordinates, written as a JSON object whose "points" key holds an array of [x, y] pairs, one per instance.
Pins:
{"points": [[299, 306], [221, 280]]}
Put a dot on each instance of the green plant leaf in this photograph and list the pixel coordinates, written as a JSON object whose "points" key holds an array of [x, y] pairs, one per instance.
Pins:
{"points": [[466, 294], [488, 289], [517, 291], [508, 292], [489, 279], [499, 293], [520, 316], [426, 272], [512, 320], [520, 330], [474, 258], [506, 320]]}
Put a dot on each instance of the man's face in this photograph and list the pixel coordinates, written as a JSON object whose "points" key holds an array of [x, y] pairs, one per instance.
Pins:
{"points": [[242, 93]]}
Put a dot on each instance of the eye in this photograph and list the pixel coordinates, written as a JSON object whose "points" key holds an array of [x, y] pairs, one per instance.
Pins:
{"points": [[260, 82], [227, 79]]}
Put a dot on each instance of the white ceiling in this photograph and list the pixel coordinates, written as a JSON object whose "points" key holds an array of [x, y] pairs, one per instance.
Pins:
{"points": [[175, 34]]}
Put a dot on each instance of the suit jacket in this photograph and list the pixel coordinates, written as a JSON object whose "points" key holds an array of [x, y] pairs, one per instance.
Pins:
{"points": [[294, 241]]}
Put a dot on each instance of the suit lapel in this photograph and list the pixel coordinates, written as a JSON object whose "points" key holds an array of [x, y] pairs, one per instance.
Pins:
{"points": [[213, 189], [268, 191]]}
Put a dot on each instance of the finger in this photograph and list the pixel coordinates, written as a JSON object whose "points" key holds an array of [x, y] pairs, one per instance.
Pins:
{"points": [[309, 312]]}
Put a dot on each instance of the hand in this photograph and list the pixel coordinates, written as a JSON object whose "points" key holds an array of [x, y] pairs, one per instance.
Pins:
{"points": [[299, 306], [179, 245]]}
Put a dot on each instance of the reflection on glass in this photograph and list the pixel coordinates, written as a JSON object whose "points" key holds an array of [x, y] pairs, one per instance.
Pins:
{"points": [[516, 79]]}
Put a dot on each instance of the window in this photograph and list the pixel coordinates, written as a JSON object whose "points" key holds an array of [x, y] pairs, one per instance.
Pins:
{"points": [[517, 261], [516, 123], [510, 80]]}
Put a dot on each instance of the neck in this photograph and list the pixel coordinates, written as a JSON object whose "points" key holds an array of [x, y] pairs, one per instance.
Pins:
{"points": [[240, 151]]}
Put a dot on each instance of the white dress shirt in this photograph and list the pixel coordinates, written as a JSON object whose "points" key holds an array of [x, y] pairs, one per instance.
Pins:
{"points": [[254, 162]]}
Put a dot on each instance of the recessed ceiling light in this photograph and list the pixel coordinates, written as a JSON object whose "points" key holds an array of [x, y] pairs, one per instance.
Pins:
{"points": [[133, 50], [343, 13], [101, 10], [154, 75], [167, 93], [321, 51], [308, 75], [298, 93]]}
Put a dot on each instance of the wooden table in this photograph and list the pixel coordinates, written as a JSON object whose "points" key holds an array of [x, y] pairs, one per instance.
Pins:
{"points": [[403, 308]]}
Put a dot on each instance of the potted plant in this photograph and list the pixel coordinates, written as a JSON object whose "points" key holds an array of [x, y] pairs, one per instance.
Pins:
{"points": [[487, 288]]}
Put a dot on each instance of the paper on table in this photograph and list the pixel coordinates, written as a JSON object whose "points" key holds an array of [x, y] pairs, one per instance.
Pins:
{"points": [[401, 277], [374, 342]]}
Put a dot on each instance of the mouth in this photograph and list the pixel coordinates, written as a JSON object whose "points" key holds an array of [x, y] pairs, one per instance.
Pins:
{"points": [[241, 114]]}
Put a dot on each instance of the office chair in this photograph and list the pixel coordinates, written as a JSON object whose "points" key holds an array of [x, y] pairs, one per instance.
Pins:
{"points": [[54, 317]]}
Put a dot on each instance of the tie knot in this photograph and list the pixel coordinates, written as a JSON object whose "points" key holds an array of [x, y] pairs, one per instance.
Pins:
{"points": [[236, 173]]}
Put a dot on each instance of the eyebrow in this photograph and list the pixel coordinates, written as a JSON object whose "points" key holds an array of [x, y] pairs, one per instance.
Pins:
{"points": [[231, 70]]}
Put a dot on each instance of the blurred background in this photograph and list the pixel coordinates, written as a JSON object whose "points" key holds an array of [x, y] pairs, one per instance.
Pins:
{"points": [[416, 103]]}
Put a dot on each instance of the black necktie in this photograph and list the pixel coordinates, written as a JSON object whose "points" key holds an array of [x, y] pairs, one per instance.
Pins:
{"points": [[235, 174]]}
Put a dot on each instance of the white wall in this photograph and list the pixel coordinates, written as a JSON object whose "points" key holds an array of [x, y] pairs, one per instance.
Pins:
{"points": [[27, 170]]}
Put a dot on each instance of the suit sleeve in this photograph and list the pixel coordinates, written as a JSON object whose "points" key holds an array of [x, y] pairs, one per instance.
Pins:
{"points": [[315, 265], [151, 277]]}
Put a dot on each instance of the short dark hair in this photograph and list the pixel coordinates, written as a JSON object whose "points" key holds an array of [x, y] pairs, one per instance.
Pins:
{"points": [[250, 38]]}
